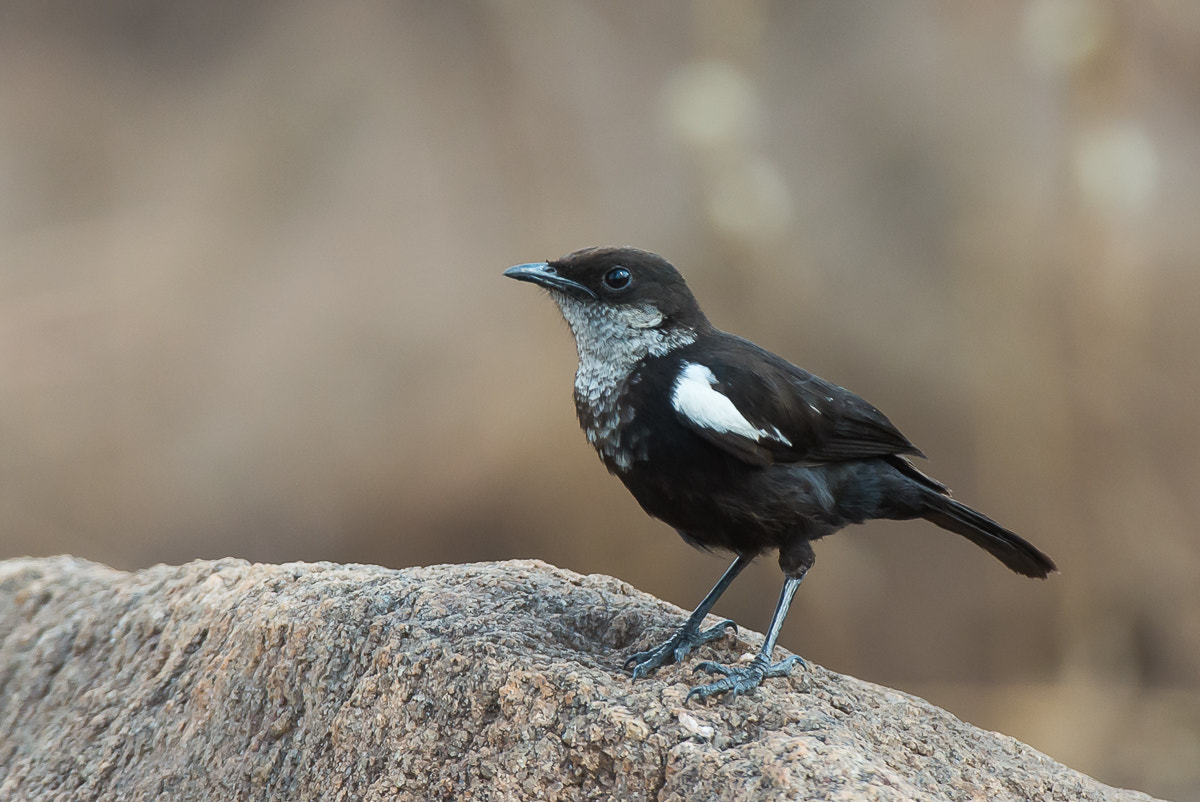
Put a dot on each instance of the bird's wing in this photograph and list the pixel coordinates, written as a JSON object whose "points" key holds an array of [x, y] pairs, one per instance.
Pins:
{"points": [[762, 409]]}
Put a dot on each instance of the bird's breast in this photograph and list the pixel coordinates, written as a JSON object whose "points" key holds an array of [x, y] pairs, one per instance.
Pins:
{"points": [[601, 404], [610, 388]]}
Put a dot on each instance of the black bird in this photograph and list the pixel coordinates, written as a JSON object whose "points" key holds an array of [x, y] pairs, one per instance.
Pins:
{"points": [[736, 448]]}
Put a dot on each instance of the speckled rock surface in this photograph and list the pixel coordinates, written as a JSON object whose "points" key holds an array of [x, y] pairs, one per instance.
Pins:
{"points": [[225, 680]]}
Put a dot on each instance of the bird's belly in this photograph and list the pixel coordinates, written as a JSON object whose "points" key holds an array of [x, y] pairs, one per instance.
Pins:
{"points": [[744, 510]]}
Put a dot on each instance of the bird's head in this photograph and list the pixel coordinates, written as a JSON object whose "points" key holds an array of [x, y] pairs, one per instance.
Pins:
{"points": [[609, 294]]}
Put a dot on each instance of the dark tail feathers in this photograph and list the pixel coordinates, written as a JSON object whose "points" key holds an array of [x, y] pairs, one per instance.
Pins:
{"points": [[1010, 549]]}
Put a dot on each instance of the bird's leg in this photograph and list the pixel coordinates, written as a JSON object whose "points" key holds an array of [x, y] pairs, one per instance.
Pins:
{"points": [[689, 635], [741, 680]]}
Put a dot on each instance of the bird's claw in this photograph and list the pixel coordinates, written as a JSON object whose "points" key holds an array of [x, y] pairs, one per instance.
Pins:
{"points": [[741, 680], [676, 648]]}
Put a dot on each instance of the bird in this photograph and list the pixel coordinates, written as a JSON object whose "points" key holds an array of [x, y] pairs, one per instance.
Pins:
{"points": [[736, 448]]}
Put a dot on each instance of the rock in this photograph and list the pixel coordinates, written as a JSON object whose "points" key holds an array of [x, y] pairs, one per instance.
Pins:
{"points": [[226, 680]]}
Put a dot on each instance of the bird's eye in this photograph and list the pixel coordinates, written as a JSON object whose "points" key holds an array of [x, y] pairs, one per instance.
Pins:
{"points": [[618, 278]]}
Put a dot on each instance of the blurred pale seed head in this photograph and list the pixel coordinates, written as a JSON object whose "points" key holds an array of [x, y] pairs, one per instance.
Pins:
{"points": [[1063, 34], [711, 105], [1115, 165], [748, 198]]}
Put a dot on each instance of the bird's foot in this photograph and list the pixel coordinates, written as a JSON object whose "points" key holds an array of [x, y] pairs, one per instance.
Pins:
{"points": [[742, 680], [686, 638]]}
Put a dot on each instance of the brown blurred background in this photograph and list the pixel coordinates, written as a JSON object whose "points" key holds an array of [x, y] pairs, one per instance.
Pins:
{"points": [[251, 305]]}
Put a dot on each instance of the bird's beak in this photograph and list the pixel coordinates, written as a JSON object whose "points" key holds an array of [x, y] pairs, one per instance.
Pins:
{"points": [[543, 274]]}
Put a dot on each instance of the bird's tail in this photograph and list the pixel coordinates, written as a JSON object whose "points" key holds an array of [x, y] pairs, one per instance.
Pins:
{"points": [[1014, 551]]}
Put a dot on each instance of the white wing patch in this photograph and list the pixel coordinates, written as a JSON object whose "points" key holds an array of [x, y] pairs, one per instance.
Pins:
{"points": [[695, 398]]}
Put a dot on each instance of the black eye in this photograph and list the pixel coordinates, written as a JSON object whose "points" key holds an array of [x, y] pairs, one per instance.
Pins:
{"points": [[618, 278]]}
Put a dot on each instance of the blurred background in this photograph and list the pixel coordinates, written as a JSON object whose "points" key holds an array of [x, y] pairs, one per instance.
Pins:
{"points": [[251, 305]]}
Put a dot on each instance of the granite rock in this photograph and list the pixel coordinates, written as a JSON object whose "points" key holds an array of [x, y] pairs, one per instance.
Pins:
{"points": [[491, 681]]}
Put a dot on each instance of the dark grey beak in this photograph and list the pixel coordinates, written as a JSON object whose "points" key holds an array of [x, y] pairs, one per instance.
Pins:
{"points": [[546, 276]]}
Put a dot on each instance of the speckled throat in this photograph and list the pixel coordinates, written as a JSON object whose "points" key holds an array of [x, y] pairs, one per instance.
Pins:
{"points": [[611, 341]]}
